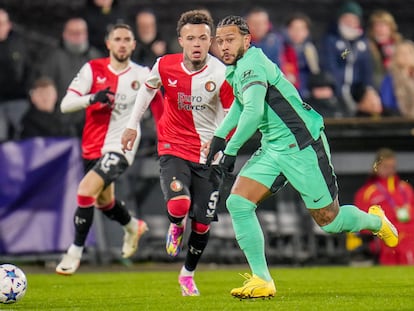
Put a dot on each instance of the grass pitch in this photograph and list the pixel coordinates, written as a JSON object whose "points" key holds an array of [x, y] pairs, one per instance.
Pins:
{"points": [[315, 288]]}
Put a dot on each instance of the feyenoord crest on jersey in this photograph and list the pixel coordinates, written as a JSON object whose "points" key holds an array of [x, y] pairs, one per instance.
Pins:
{"points": [[210, 86], [135, 85]]}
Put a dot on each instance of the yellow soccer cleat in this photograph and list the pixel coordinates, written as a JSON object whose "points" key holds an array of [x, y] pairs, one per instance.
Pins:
{"points": [[388, 233], [254, 287]]}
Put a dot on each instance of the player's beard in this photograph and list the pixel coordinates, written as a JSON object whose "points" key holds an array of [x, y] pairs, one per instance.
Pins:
{"points": [[121, 59], [195, 64], [239, 54]]}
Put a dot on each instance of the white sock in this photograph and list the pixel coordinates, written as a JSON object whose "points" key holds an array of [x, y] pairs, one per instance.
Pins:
{"points": [[132, 225], [185, 272], [75, 251]]}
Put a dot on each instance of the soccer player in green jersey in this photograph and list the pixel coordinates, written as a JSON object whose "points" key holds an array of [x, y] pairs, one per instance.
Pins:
{"points": [[293, 149]]}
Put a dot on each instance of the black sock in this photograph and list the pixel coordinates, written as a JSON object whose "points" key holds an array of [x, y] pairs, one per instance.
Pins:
{"points": [[196, 244], [118, 213], [175, 220], [83, 221]]}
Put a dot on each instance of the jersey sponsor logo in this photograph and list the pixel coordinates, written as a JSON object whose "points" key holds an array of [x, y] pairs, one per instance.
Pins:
{"points": [[172, 83], [100, 80], [176, 185], [135, 85], [247, 74], [210, 86], [190, 102]]}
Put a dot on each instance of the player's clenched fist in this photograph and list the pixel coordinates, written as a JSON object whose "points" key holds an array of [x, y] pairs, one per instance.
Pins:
{"points": [[128, 139], [105, 96]]}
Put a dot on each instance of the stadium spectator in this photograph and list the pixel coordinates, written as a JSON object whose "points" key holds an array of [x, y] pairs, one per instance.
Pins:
{"points": [[150, 45], [42, 120], [74, 50], [383, 35], [262, 33], [62, 64], [106, 88], [322, 95], [397, 89], [100, 16], [196, 98], [367, 100], [384, 187], [293, 149], [299, 57], [345, 54], [14, 78]]}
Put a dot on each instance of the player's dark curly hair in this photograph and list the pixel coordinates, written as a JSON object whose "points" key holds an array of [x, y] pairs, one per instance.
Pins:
{"points": [[195, 17], [235, 20]]}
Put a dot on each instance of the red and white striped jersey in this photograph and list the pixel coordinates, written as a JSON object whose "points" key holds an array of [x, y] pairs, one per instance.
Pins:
{"points": [[194, 105], [104, 125]]}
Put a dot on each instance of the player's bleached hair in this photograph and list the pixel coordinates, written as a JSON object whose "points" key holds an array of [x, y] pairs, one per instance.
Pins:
{"points": [[195, 17], [119, 26], [234, 20]]}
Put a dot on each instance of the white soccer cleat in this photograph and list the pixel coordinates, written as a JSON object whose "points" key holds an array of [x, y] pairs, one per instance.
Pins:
{"points": [[131, 239], [68, 265]]}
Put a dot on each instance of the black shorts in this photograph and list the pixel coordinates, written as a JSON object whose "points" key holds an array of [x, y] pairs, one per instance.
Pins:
{"points": [[182, 177], [110, 166]]}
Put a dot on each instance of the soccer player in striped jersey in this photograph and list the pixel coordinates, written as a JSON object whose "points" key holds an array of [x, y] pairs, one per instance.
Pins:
{"points": [[106, 88], [293, 149], [196, 99]]}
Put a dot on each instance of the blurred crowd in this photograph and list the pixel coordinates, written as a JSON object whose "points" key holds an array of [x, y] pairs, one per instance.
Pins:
{"points": [[358, 67]]}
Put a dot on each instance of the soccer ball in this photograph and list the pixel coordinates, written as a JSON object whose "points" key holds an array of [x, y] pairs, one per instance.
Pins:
{"points": [[13, 283]]}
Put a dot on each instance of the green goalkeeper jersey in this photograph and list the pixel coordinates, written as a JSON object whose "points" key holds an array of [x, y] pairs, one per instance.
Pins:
{"points": [[266, 100]]}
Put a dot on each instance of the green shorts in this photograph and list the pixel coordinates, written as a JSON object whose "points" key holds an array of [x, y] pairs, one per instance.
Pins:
{"points": [[309, 171]]}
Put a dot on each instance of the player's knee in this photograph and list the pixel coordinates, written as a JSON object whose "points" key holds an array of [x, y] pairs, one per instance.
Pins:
{"points": [[178, 208], [237, 204], [199, 228]]}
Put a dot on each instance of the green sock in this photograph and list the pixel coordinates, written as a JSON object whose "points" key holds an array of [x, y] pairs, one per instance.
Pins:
{"points": [[351, 219], [249, 234]]}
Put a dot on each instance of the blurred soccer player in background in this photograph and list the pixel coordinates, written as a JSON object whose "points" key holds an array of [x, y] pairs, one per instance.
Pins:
{"points": [[106, 88], [293, 149], [396, 196], [196, 98]]}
